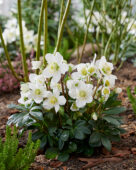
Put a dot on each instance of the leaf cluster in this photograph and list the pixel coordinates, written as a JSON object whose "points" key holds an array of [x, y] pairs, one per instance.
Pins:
{"points": [[76, 132]]}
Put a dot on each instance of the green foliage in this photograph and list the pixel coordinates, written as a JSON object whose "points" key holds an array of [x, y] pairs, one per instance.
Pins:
{"points": [[12, 158], [62, 134], [3, 21], [132, 99], [33, 7]]}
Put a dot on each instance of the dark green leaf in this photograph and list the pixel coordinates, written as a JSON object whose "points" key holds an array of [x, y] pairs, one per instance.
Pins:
{"points": [[79, 135], [36, 108], [65, 135], [51, 153], [106, 143], [43, 142], [37, 135], [52, 130], [111, 120], [72, 147], [37, 115], [61, 144], [50, 140], [95, 137], [115, 110], [88, 151], [63, 157], [18, 107]]}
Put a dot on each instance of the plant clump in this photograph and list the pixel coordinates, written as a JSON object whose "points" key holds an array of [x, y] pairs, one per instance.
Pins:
{"points": [[72, 108]]}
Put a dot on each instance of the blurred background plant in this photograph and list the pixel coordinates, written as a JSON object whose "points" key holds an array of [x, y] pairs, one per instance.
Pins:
{"points": [[109, 27]]}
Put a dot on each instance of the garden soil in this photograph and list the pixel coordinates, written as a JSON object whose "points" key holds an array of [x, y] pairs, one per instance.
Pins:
{"points": [[123, 154]]}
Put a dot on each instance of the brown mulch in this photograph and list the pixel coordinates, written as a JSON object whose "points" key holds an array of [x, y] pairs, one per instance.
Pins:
{"points": [[123, 154]]}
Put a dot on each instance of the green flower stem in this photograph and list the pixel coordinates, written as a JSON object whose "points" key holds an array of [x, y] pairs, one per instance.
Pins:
{"points": [[45, 31], [62, 26], [8, 58], [25, 67], [108, 43], [98, 83], [103, 34], [61, 15], [86, 34], [40, 30]]}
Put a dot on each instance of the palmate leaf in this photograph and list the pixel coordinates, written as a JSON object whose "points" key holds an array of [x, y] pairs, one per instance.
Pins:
{"points": [[81, 129], [17, 119], [115, 110], [112, 101], [72, 147], [112, 120], [106, 142], [37, 115], [65, 135], [18, 107], [95, 139]]}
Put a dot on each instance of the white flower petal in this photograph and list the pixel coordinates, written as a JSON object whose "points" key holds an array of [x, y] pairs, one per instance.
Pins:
{"points": [[62, 100], [56, 78], [80, 103], [57, 108]]}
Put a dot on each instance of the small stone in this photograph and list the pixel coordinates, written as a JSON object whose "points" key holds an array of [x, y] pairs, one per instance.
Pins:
{"points": [[133, 150]]}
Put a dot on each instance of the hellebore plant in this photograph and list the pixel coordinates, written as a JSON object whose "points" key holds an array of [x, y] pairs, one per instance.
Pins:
{"points": [[71, 108]]}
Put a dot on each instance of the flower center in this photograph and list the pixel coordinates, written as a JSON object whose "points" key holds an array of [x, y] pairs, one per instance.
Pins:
{"points": [[106, 91], [25, 99], [53, 100], [84, 72], [37, 91], [91, 70], [54, 67], [76, 85], [106, 69], [74, 106], [107, 83], [82, 94]]}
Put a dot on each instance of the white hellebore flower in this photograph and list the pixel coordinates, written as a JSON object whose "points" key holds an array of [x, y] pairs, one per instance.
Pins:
{"points": [[24, 87], [94, 116], [37, 79], [24, 100], [54, 100], [104, 66], [109, 81], [9, 35], [37, 92], [73, 85], [92, 69], [82, 95], [56, 86], [55, 67], [132, 27], [36, 64], [28, 36], [106, 92], [74, 107], [118, 90], [82, 70]]}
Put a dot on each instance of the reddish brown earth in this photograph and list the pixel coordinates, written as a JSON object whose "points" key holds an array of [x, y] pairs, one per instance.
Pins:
{"points": [[123, 155]]}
